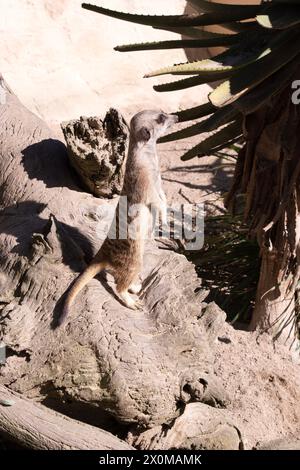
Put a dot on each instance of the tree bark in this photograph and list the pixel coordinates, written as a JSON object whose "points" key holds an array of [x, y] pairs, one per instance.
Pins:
{"points": [[268, 173], [36, 427], [275, 304]]}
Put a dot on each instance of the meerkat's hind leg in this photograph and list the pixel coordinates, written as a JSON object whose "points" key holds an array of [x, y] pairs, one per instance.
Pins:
{"points": [[129, 301], [135, 287], [123, 285]]}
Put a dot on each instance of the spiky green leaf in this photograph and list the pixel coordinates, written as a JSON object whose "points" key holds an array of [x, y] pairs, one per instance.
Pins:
{"points": [[239, 27], [200, 67], [237, 56], [258, 71], [279, 16], [258, 96], [171, 20], [196, 112], [224, 40], [218, 140], [192, 81], [216, 120]]}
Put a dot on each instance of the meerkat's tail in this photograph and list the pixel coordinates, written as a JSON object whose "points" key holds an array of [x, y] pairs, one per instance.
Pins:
{"points": [[87, 275]]}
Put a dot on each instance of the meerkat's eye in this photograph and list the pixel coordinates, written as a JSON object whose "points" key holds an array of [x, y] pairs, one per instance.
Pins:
{"points": [[161, 119]]}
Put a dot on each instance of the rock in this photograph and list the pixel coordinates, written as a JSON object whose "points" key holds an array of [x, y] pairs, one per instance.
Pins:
{"points": [[200, 427], [72, 69], [287, 443]]}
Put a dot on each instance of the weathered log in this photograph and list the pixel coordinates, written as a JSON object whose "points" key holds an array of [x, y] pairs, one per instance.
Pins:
{"points": [[97, 151], [34, 426], [141, 367]]}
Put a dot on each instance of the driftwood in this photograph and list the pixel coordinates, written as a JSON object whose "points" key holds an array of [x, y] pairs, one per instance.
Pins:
{"points": [[97, 151], [34, 426]]}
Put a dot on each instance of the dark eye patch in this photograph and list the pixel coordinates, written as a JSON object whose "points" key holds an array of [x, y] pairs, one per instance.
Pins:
{"points": [[161, 119]]}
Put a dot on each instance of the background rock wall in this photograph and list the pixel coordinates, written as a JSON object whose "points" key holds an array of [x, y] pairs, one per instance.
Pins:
{"points": [[59, 58]]}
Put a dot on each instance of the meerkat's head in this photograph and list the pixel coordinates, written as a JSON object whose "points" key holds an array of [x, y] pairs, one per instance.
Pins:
{"points": [[151, 125]]}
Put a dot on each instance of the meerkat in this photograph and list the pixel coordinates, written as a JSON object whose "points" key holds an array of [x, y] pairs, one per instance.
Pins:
{"points": [[143, 189]]}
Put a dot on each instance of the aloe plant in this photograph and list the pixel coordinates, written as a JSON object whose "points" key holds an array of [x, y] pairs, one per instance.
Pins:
{"points": [[268, 45], [257, 68]]}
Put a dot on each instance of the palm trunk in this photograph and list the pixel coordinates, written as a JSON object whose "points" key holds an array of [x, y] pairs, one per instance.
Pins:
{"points": [[267, 172], [275, 304]]}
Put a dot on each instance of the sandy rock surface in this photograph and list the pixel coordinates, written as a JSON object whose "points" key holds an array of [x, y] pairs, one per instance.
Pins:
{"points": [[59, 58], [60, 62]]}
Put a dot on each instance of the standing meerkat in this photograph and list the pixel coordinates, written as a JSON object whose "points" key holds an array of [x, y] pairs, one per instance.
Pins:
{"points": [[123, 257]]}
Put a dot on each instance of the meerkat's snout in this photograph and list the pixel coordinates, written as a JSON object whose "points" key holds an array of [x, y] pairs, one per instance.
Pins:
{"points": [[169, 119], [162, 122], [173, 118]]}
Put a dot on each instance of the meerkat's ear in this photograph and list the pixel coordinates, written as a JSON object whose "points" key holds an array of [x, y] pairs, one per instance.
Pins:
{"points": [[144, 134]]}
